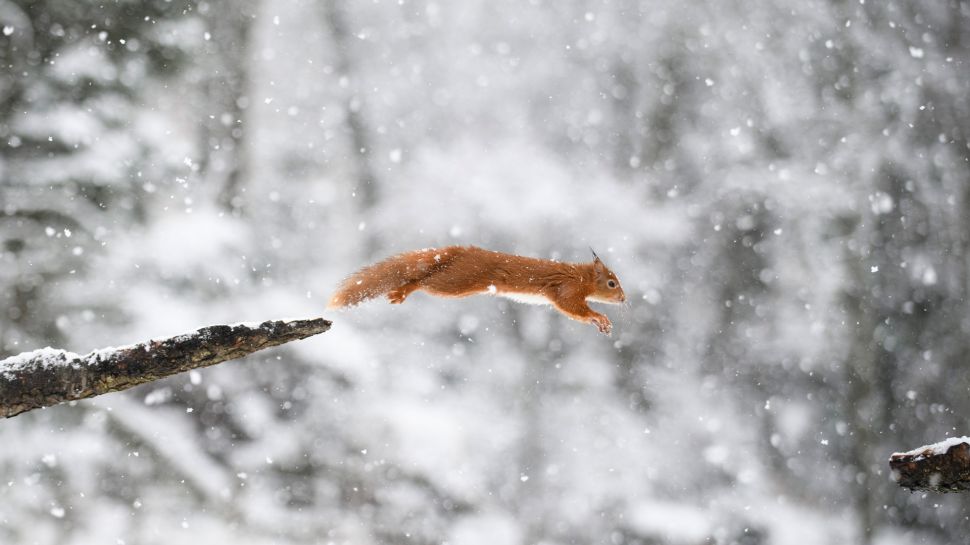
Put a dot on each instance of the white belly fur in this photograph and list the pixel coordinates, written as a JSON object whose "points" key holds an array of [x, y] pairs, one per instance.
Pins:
{"points": [[527, 298], [536, 299], [598, 300]]}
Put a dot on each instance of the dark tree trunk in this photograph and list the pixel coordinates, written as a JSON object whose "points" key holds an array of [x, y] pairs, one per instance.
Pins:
{"points": [[933, 469]]}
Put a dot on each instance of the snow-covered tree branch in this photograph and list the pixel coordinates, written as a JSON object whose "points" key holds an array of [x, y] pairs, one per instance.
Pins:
{"points": [[49, 376], [941, 467]]}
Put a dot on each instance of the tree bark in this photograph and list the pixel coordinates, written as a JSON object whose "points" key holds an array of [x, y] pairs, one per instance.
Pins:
{"points": [[49, 376], [934, 468]]}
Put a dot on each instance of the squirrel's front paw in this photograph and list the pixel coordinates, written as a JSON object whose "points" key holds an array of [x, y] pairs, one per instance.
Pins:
{"points": [[602, 323]]}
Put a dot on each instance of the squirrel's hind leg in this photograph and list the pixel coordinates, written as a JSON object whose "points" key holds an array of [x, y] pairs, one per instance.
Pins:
{"points": [[397, 296]]}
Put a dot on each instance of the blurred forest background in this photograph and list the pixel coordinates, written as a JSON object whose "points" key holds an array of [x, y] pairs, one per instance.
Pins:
{"points": [[782, 187]]}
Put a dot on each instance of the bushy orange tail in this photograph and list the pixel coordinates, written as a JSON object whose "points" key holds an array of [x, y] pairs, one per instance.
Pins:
{"points": [[382, 277]]}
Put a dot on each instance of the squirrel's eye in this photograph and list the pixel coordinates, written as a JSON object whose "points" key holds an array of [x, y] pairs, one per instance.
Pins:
{"points": [[611, 283]]}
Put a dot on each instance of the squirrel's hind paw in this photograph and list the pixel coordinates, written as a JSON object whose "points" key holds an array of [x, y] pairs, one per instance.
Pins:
{"points": [[396, 297]]}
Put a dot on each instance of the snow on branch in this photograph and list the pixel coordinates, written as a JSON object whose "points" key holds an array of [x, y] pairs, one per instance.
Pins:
{"points": [[941, 467], [49, 376]]}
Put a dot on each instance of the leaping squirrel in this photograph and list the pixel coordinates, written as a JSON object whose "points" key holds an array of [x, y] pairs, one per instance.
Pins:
{"points": [[460, 271]]}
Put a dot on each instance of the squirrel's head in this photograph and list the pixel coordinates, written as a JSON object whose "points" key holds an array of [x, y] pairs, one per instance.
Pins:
{"points": [[607, 285]]}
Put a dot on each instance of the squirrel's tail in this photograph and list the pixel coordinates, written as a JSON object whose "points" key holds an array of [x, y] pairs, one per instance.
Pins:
{"points": [[382, 277]]}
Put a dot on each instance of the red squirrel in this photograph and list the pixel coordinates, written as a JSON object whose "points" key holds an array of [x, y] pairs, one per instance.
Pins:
{"points": [[460, 271]]}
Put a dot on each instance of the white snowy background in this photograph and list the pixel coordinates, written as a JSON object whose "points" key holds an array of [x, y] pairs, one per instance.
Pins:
{"points": [[781, 186]]}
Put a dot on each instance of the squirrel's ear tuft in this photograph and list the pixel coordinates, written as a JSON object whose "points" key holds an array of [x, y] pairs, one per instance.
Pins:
{"points": [[598, 264]]}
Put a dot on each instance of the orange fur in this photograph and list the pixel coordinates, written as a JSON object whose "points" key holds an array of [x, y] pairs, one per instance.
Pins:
{"points": [[460, 271]]}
